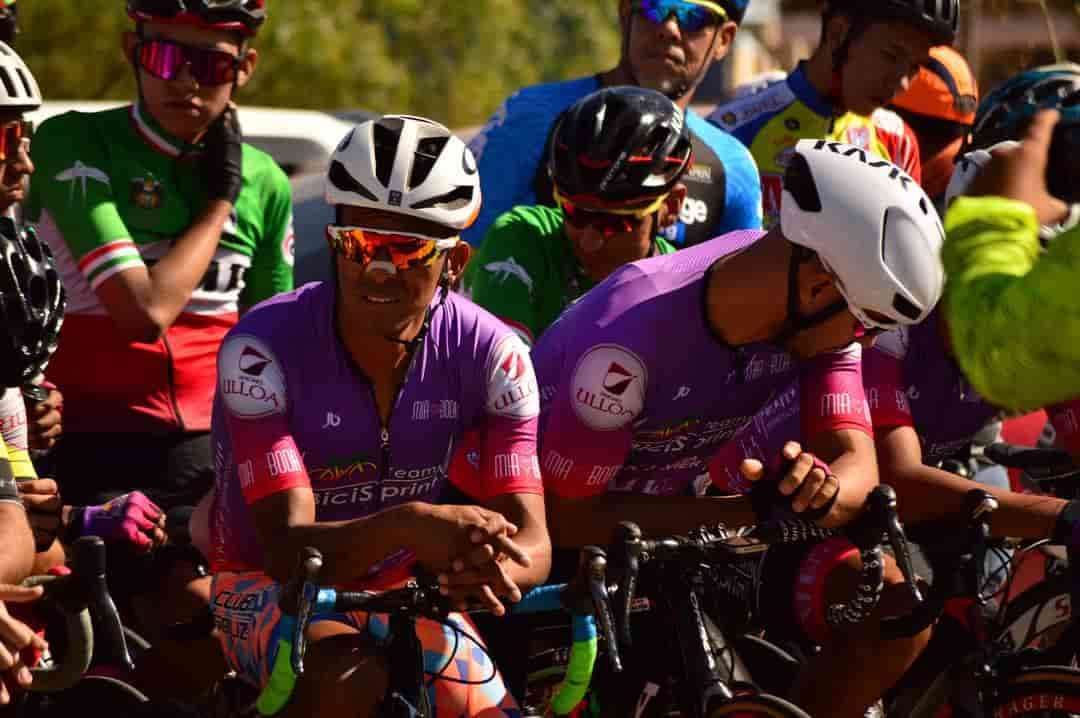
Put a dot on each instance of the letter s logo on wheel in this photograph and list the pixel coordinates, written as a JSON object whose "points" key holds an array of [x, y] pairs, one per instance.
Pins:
{"points": [[251, 379], [608, 387]]}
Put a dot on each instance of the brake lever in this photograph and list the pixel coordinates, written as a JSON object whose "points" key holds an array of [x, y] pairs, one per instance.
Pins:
{"points": [[979, 505], [897, 537], [595, 569], [89, 572], [626, 551], [305, 594]]}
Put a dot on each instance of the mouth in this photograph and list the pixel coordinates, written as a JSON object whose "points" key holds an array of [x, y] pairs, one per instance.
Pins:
{"points": [[372, 299]]}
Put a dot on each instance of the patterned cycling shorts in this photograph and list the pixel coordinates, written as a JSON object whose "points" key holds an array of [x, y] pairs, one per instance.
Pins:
{"points": [[247, 618]]}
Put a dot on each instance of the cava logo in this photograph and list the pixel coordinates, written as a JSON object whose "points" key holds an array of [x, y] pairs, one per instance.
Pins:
{"points": [[618, 379], [252, 362], [608, 387]]}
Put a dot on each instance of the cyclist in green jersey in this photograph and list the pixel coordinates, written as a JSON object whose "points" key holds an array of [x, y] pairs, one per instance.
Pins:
{"points": [[616, 161], [1010, 307], [165, 227]]}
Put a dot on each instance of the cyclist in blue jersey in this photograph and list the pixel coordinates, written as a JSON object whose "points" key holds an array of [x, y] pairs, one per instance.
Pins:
{"points": [[668, 45]]}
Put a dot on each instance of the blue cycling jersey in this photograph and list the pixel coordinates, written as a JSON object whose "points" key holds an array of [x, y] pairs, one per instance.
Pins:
{"points": [[723, 187]]}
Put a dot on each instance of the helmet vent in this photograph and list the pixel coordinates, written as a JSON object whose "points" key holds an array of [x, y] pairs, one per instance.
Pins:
{"points": [[427, 154], [905, 307], [799, 182], [9, 85], [455, 199], [386, 135], [340, 178]]}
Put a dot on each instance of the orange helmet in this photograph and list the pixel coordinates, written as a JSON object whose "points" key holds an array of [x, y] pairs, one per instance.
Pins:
{"points": [[945, 89]]}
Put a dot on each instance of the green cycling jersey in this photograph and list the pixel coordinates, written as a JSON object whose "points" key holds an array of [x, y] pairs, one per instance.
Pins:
{"points": [[1011, 309], [525, 272]]}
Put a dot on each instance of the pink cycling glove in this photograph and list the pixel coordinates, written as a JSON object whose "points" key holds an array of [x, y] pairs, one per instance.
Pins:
{"points": [[125, 518]]}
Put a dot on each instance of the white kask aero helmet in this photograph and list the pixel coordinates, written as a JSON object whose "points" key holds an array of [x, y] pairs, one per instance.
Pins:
{"points": [[406, 165], [18, 88], [871, 225]]}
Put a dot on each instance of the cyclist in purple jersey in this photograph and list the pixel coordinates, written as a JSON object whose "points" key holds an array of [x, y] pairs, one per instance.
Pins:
{"points": [[653, 370], [337, 413]]}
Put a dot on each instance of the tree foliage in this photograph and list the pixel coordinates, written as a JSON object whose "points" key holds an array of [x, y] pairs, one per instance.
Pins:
{"points": [[446, 59]]}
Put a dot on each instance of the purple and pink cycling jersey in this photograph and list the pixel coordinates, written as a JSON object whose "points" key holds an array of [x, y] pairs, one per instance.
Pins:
{"points": [[293, 411], [638, 394]]}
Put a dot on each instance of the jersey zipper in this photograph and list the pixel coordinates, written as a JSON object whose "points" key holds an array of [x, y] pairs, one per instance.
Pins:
{"points": [[170, 370], [384, 429]]}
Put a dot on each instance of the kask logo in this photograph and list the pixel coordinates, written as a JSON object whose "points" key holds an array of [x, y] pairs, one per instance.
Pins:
{"points": [[252, 362]]}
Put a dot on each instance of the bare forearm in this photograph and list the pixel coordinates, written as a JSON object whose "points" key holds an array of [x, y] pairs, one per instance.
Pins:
{"points": [[49, 558], [175, 276], [349, 548], [929, 494], [576, 523], [17, 542]]}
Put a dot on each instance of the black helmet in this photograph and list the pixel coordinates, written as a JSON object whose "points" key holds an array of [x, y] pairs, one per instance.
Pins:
{"points": [[619, 144], [940, 17], [31, 304], [245, 16]]}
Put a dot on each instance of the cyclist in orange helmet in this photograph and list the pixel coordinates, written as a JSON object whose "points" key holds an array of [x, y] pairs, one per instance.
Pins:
{"points": [[940, 108]]}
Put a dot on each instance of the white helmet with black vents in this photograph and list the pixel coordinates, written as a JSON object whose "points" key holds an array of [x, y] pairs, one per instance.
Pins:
{"points": [[18, 88], [871, 225], [406, 165]]}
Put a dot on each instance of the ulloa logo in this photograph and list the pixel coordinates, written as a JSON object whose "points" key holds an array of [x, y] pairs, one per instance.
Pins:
{"points": [[252, 362], [618, 379]]}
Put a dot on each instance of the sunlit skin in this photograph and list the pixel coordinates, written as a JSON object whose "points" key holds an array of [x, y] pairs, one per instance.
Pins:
{"points": [[664, 57], [599, 256], [181, 106], [882, 62]]}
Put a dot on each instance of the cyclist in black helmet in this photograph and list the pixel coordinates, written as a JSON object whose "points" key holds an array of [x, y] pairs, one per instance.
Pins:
{"points": [[616, 161]]}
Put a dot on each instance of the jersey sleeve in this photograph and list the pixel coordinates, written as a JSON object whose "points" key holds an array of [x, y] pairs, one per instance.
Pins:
{"points": [[596, 395], [272, 265], [71, 184], [253, 393], [503, 277], [1011, 311], [831, 395], [508, 150], [883, 378], [900, 141], [14, 431], [743, 209], [507, 442]]}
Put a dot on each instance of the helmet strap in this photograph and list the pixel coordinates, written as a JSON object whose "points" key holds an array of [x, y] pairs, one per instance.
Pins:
{"points": [[794, 322]]}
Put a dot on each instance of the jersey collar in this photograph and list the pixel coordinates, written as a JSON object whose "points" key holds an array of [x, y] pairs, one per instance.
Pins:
{"points": [[801, 87], [155, 135]]}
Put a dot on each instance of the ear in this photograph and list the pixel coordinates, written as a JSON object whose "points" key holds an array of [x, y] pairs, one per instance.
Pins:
{"points": [[836, 29], [456, 260], [128, 42], [726, 38], [247, 67], [673, 205]]}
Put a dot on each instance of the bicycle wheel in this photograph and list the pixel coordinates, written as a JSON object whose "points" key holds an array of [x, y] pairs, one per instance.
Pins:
{"points": [[1036, 613], [761, 705], [1036, 692]]}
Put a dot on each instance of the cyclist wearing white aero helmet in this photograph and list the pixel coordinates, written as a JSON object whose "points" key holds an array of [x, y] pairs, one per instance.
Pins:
{"points": [[630, 428], [338, 409]]}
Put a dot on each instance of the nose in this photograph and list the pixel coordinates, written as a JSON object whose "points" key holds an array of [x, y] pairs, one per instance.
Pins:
{"points": [[380, 268], [184, 76], [23, 164]]}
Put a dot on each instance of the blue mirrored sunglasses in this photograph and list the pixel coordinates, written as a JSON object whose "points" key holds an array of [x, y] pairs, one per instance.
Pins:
{"points": [[691, 16]]}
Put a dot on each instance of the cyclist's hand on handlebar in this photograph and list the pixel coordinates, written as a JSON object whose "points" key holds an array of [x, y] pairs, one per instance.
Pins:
{"points": [[130, 518], [43, 509], [805, 480], [14, 637], [1020, 172], [45, 421]]}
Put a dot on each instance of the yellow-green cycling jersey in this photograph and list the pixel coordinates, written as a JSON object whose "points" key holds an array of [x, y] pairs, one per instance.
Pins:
{"points": [[1012, 309], [771, 122]]}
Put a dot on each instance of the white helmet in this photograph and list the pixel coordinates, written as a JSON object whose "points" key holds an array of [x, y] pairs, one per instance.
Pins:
{"points": [[18, 88], [406, 165], [871, 225]]}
